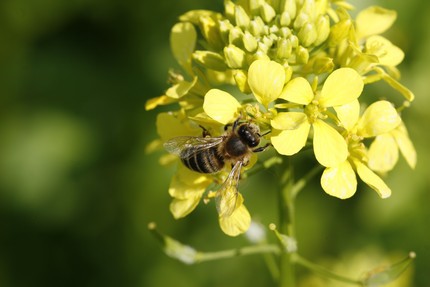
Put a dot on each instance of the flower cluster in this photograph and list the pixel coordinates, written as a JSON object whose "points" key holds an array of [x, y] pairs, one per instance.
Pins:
{"points": [[299, 68]]}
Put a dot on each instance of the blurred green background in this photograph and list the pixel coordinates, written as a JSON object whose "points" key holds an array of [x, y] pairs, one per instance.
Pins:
{"points": [[77, 189]]}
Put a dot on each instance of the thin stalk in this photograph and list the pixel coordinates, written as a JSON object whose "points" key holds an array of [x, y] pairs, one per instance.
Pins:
{"points": [[287, 227], [323, 271], [247, 250]]}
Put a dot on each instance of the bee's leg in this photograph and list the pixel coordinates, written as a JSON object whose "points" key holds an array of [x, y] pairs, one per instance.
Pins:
{"points": [[262, 148], [205, 132]]}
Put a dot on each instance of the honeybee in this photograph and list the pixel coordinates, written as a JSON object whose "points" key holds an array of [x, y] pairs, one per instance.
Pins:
{"points": [[208, 154]]}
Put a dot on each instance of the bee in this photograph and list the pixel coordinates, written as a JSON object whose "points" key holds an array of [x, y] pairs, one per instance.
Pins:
{"points": [[209, 155]]}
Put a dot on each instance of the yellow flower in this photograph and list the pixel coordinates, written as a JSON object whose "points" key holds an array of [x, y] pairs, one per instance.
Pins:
{"points": [[384, 150], [341, 87], [379, 118]]}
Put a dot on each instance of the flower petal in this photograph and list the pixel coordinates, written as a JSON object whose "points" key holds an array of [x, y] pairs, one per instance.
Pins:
{"points": [[406, 146], [383, 153], [183, 41], [288, 121], [372, 179], [379, 118], [182, 207], [374, 20], [289, 142], [387, 53], [339, 181], [348, 114], [298, 91], [342, 86], [237, 223], [221, 106], [329, 146], [266, 80]]}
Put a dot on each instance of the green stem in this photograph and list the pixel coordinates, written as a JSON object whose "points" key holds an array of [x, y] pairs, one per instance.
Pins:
{"points": [[323, 271], [287, 227], [247, 250]]}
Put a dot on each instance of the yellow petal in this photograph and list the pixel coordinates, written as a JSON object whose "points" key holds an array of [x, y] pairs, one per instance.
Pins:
{"points": [[298, 91], [329, 146], [183, 41], [289, 142], [343, 86], [405, 144], [379, 118], [387, 53], [168, 126], [383, 153], [182, 207], [374, 20], [339, 181], [348, 114], [181, 89], [288, 121], [266, 80], [221, 106], [237, 223], [158, 101], [373, 180]]}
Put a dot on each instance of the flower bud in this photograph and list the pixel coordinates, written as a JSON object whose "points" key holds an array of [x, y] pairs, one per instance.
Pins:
{"points": [[294, 41], [323, 65], [242, 18], [323, 29], [290, 7], [224, 28], [229, 9], [267, 12], [242, 81], [288, 73], [307, 34], [209, 29], [285, 19], [249, 42], [284, 32], [210, 60], [302, 55], [301, 20], [339, 32], [235, 57], [235, 36], [257, 27], [284, 48]]}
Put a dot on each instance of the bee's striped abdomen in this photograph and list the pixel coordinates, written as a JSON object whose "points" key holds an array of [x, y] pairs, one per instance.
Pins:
{"points": [[204, 161]]}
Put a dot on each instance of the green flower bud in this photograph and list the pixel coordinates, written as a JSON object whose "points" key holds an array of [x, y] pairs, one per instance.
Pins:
{"points": [[288, 73], [229, 8], [302, 55], [284, 32], [257, 27], [210, 60], [267, 12], [273, 29], [290, 7], [224, 28], [268, 41], [323, 65], [242, 18], [294, 41], [301, 20], [235, 36], [249, 42], [284, 49], [263, 47], [323, 29], [307, 34], [339, 32], [285, 19], [210, 31], [242, 81], [235, 57]]}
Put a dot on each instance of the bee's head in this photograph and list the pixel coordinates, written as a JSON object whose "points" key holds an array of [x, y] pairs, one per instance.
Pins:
{"points": [[249, 133]]}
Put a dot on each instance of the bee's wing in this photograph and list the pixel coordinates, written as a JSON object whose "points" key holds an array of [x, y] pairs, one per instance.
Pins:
{"points": [[228, 198], [184, 146]]}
